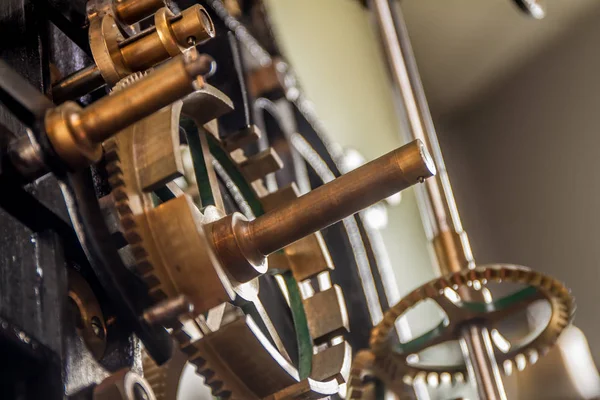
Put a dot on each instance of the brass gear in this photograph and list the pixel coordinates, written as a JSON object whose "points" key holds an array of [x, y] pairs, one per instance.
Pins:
{"points": [[147, 227], [359, 387], [392, 367]]}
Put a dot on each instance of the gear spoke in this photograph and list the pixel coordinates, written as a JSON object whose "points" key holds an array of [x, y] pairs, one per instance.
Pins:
{"points": [[438, 335]]}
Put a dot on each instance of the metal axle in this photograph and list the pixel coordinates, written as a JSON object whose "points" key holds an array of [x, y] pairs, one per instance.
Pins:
{"points": [[437, 204]]}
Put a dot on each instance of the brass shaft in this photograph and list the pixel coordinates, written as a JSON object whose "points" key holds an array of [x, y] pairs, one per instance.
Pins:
{"points": [[342, 197], [76, 134], [438, 205], [132, 11], [163, 86], [147, 49], [77, 84]]}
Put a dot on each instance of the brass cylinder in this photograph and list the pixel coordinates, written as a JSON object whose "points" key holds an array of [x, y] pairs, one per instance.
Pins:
{"points": [[242, 245], [132, 11], [77, 84], [192, 26], [76, 134], [342, 197], [162, 87], [450, 251]]}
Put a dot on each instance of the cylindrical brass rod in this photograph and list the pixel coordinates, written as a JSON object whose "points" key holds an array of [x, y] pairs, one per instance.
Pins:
{"points": [[341, 197], [191, 27], [76, 134], [163, 86], [77, 84], [132, 11]]}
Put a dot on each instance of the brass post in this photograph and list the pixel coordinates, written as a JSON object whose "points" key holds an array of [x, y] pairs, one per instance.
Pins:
{"points": [[342, 197], [132, 11], [76, 134], [242, 245]]}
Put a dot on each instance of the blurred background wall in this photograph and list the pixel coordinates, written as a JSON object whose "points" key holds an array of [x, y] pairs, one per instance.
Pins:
{"points": [[524, 159]]}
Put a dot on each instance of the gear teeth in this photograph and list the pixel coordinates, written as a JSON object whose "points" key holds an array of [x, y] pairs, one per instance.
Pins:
{"points": [[533, 356], [119, 195], [158, 294], [554, 291], [116, 163], [508, 367], [155, 376], [128, 80]]}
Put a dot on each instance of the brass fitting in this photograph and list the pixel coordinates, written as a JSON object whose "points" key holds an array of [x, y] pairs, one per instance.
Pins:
{"points": [[116, 57], [76, 133], [449, 251], [127, 12], [242, 246], [170, 36], [131, 11]]}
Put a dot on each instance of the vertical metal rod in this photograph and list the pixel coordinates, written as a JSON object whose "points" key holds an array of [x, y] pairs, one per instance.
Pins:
{"points": [[438, 206], [476, 341]]}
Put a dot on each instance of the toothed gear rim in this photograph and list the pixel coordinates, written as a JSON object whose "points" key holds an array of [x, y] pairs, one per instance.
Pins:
{"points": [[131, 203], [393, 364], [131, 200]]}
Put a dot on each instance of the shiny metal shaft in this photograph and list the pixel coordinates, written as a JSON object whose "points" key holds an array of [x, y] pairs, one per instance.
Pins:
{"points": [[163, 86], [242, 245], [437, 204], [77, 84], [141, 51], [132, 11], [342, 197]]}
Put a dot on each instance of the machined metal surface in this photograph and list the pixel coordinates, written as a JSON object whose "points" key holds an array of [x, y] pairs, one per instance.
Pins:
{"points": [[132, 11], [76, 134], [461, 314], [89, 319], [242, 245], [116, 56], [476, 340], [157, 256]]}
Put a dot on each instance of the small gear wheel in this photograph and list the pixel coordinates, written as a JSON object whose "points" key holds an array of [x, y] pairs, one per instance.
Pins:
{"points": [[391, 362]]}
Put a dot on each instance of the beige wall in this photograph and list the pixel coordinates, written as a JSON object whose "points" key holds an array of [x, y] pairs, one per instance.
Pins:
{"points": [[525, 163]]}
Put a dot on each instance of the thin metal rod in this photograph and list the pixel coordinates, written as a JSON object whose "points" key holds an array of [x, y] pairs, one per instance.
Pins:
{"points": [[439, 209], [77, 84], [476, 340], [132, 11], [438, 205]]}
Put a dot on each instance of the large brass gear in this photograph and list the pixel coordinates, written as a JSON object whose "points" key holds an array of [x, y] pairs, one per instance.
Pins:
{"points": [[391, 364], [139, 163]]}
